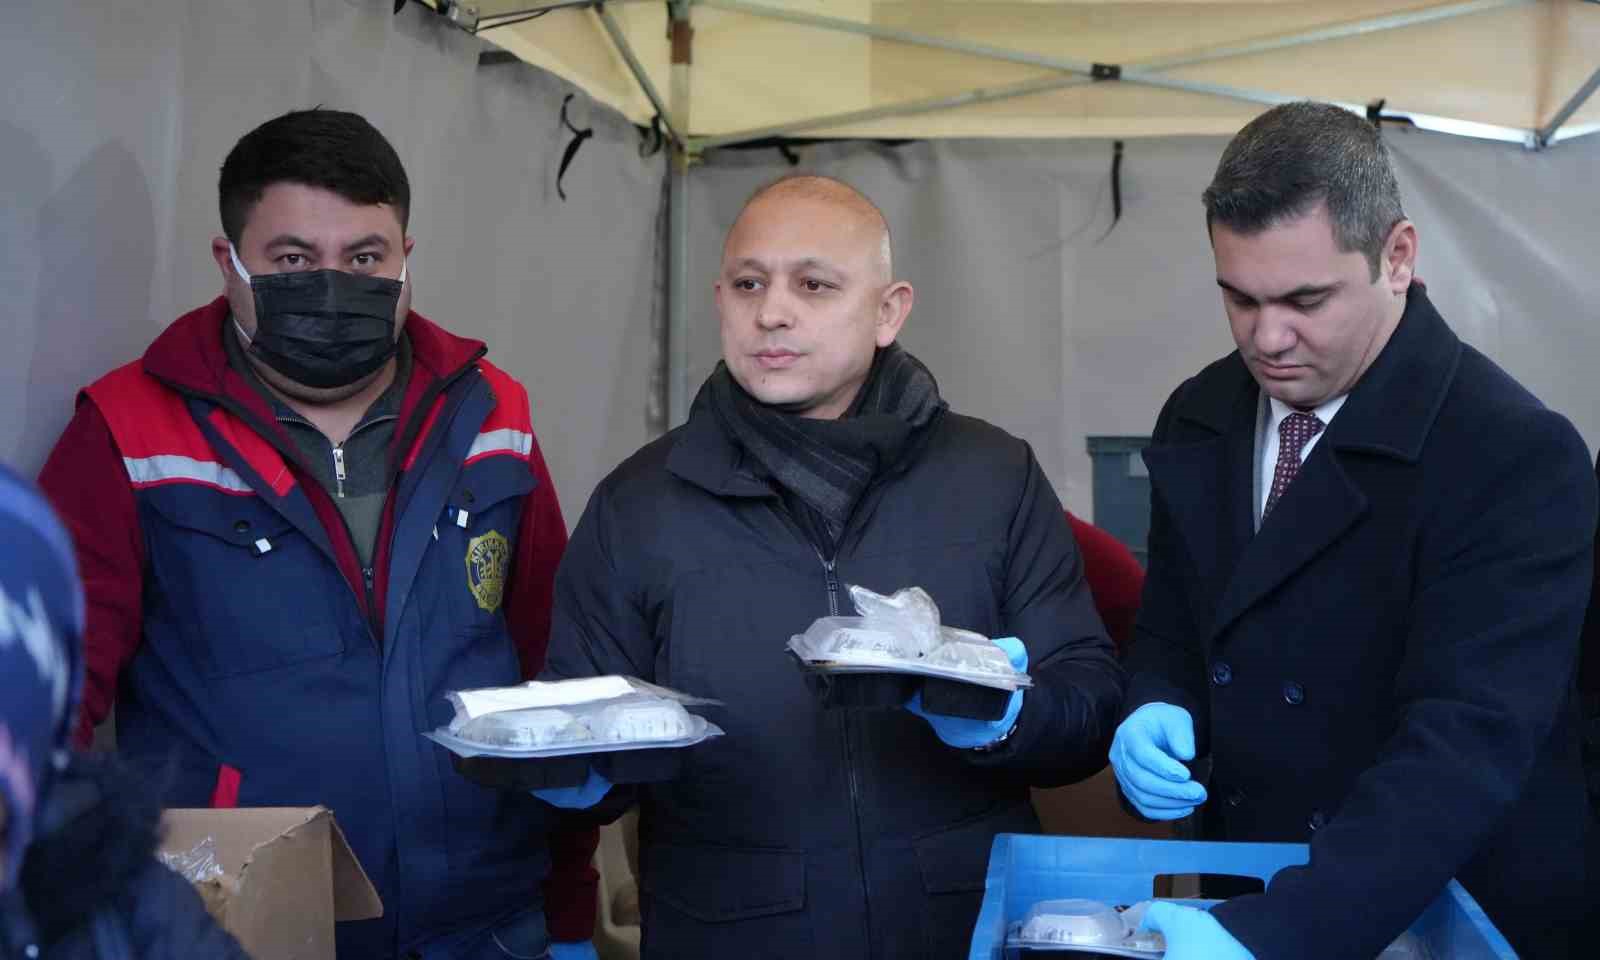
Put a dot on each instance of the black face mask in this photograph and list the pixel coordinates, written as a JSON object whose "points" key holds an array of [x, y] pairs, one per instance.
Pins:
{"points": [[323, 328]]}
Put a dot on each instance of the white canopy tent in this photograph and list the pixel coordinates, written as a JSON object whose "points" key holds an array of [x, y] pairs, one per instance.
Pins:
{"points": [[721, 72], [734, 70]]}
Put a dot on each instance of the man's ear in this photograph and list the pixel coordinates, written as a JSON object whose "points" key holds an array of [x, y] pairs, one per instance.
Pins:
{"points": [[1399, 263], [220, 248], [893, 309]]}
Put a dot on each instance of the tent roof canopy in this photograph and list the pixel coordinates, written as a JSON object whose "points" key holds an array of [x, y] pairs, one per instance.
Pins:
{"points": [[1514, 70]]}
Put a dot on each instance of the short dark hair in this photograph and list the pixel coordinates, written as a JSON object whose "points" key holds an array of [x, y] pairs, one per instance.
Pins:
{"points": [[330, 149], [1297, 155]]}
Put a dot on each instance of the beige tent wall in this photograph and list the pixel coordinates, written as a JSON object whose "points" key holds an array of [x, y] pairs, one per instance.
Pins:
{"points": [[117, 117], [1033, 316]]}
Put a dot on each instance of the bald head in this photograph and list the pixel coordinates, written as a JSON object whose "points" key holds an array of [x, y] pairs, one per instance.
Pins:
{"points": [[807, 294], [860, 219]]}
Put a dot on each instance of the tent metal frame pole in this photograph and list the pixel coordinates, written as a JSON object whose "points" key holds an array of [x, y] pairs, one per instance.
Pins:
{"points": [[614, 30], [1449, 125], [529, 10], [1422, 121], [1456, 127], [676, 121], [1085, 67], [909, 108], [840, 25], [677, 346], [1546, 134], [1572, 133], [1339, 31], [679, 159], [1141, 72]]}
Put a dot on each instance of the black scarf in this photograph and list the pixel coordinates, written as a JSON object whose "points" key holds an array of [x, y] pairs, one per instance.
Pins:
{"points": [[828, 464]]}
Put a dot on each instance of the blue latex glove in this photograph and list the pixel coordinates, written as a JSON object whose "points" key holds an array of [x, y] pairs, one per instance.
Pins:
{"points": [[579, 950], [1192, 934], [969, 734], [576, 798], [1145, 755]]}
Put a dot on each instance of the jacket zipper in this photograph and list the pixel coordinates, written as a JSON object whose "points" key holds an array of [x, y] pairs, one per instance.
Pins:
{"points": [[830, 576], [338, 469], [412, 427], [408, 436], [339, 474], [293, 456], [833, 586]]}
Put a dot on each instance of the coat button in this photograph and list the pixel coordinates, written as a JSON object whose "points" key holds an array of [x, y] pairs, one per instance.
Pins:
{"points": [[1317, 821], [1294, 694], [243, 526], [1236, 798], [1221, 674], [467, 497]]}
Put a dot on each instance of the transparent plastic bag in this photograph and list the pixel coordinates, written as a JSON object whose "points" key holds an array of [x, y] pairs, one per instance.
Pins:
{"points": [[538, 694], [912, 608], [901, 633], [197, 864]]}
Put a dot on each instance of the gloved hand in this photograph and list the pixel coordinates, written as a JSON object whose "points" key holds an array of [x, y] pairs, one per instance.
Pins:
{"points": [[578, 950], [968, 734], [1145, 754], [1192, 934], [576, 798]]}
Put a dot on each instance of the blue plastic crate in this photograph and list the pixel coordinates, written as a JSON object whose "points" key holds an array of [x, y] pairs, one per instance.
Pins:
{"points": [[1024, 870]]}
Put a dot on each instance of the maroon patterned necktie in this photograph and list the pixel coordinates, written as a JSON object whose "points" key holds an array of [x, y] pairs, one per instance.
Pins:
{"points": [[1294, 432]]}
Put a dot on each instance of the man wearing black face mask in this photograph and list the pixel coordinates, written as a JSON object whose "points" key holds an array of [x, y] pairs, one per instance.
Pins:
{"points": [[304, 516]]}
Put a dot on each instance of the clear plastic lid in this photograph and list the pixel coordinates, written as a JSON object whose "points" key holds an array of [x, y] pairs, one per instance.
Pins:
{"points": [[636, 719], [642, 721], [856, 639], [983, 656], [1089, 926], [1073, 921], [544, 727]]}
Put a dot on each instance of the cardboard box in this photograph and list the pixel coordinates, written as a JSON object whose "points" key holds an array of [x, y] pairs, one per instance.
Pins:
{"points": [[287, 876]]}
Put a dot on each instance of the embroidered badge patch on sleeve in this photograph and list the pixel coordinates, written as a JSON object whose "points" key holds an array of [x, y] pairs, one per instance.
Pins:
{"points": [[488, 557]]}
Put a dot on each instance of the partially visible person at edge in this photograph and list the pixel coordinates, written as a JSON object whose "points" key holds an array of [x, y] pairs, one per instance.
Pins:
{"points": [[78, 876], [304, 516], [1115, 579], [1589, 690]]}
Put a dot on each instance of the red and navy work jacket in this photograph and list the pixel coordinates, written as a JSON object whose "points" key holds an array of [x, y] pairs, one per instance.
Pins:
{"points": [[253, 661]]}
